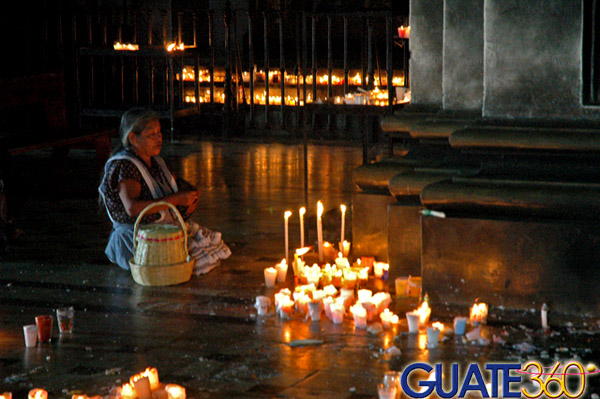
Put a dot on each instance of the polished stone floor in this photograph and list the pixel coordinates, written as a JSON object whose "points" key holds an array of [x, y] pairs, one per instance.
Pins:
{"points": [[205, 335]]}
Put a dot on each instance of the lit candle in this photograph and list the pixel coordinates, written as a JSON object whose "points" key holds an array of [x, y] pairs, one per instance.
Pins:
{"points": [[386, 317], [345, 248], [360, 316], [282, 270], [320, 229], [301, 213], [438, 325], [337, 312], [152, 375], [343, 209], [270, 277], [286, 216], [424, 311], [127, 391], [479, 313], [286, 307], [141, 384], [404, 32], [175, 391], [38, 393], [378, 269], [6, 395]]}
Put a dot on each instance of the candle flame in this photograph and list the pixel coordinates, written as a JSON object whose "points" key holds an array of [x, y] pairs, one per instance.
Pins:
{"points": [[175, 391], [423, 311], [38, 393], [302, 251], [319, 209], [287, 214], [438, 325], [302, 211], [343, 208]]}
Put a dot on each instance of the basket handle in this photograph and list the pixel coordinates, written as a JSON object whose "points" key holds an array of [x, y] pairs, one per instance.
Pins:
{"points": [[153, 205]]}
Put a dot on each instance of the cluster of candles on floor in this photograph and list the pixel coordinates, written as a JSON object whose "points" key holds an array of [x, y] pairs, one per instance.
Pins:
{"points": [[144, 385]]}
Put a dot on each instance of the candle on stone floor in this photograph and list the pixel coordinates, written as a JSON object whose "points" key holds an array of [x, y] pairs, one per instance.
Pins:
{"points": [[438, 325], [127, 391], [175, 391], [385, 317], [152, 375], [286, 216], [320, 229], [281, 270], [330, 290], [544, 317], [337, 312], [424, 311], [270, 277], [345, 248], [6, 395], [141, 384], [350, 279], [433, 337], [360, 316], [37, 393], [378, 269], [301, 213], [286, 308], [479, 312], [343, 209], [78, 396]]}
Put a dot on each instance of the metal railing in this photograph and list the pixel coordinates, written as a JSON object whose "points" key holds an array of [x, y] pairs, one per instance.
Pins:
{"points": [[268, 67]]}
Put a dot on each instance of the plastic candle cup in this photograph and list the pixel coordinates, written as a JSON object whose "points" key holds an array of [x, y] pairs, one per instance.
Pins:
{"points": [[270, 277]]}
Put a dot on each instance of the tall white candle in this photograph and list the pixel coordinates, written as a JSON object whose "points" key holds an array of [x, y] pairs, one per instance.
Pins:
{"points": [[343, 209], [320, 229], [286, 216], [302, 212], [544, 317]]}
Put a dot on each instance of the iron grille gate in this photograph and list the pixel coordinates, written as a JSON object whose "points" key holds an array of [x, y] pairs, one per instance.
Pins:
{"points": [[275, 69]]}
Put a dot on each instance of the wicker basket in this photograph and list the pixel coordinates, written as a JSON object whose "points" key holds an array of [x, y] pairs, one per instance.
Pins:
{"points": [[160, 255]]}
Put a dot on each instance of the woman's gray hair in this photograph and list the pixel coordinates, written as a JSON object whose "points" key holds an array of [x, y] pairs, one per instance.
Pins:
{"points": [[135, 120]]}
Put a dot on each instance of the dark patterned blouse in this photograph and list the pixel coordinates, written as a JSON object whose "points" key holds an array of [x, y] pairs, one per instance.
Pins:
{"points": [[119, 170]]}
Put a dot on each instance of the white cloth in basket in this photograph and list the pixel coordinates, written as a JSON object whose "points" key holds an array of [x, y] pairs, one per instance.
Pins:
{"points": [[206, 247]]}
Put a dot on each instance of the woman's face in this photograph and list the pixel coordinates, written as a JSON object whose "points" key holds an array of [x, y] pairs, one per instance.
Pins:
{"points": [[149, 142]]}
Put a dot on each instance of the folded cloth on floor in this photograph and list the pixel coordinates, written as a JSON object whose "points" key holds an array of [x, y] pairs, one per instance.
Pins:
{"points": [[206, 247]]}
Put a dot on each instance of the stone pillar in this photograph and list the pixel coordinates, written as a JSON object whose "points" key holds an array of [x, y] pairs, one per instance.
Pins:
{"points": [[532, 58], [463, 55], [426, 38]]}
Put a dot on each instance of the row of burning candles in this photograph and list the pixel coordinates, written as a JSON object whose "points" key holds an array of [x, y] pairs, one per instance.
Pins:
{"points": [[340, 274], [274, 76], [144, 385], [310, 302], [374, 97]]}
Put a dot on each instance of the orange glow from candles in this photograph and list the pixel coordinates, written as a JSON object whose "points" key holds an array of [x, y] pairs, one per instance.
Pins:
{"points": [[175, 391], [438, 325], [127, 391], [126, 46], [175, 47], [6, 395], [479, 312]]}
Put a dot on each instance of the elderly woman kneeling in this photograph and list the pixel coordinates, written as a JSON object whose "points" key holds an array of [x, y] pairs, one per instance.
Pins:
{"points": [[135, 177]]}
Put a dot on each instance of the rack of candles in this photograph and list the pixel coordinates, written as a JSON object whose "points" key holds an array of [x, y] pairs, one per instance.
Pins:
{"points": [[378, 96]]}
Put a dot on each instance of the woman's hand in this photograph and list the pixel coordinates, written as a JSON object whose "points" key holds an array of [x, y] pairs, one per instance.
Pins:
{"points": [[184, 198]]}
